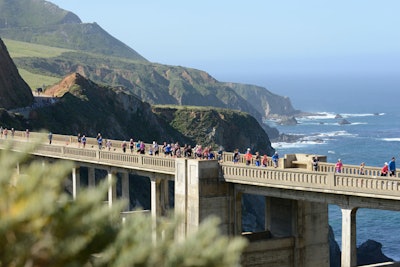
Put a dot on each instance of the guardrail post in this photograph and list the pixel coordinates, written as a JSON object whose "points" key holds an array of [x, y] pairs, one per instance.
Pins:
{"points": [[331, 180]]}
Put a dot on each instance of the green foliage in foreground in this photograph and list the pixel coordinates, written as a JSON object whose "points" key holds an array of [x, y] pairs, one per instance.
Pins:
{"points": [[41, 226]]}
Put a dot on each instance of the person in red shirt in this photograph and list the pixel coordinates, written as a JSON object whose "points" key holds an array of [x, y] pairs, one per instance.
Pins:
{"points": [[338, 166], [248, 157], [385, 169], [265, 161]]}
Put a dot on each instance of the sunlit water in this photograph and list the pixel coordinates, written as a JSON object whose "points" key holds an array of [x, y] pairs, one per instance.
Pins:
{"points": [[372, 137]]}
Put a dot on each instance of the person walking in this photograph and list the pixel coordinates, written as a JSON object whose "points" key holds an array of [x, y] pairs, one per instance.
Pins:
{"points": [[83, 140], [315, 163], [50, 136], [123, 146], [100, 141], [248, 157], [258, 159], [79, 140], [265, 161], [338, 166], [109, 144], [392, 167], [361, 170], [385, 169], [236, 156], [275, 159]]}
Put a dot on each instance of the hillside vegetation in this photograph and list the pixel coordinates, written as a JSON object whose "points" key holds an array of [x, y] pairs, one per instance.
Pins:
{"points": [[42, 22], [48, 43], [98, 56]]}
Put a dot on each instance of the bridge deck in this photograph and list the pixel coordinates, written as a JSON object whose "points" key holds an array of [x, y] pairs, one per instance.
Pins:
{"points": [[292, 174]]}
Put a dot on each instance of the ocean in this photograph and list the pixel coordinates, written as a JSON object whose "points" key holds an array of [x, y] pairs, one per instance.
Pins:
{"points": [[373, 137]]}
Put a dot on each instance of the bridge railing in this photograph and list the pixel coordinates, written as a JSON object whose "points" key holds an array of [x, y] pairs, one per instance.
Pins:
{"points": [[299, 174], [104, 157], [313, 180]]}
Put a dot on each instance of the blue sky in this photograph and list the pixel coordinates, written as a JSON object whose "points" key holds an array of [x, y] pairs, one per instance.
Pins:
{"points": [[281, 45]]}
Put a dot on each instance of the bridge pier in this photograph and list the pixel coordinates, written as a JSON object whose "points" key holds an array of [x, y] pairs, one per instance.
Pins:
{"points": [[91, 177], [125, 189], [199, 193], [112, 188], [76, 181], [349, 237]]}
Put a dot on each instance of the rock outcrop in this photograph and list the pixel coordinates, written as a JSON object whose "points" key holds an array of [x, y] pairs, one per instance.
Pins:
{"points": [[288, 121], [228, 128], [344, 122], [14, 91], [370, 252]]}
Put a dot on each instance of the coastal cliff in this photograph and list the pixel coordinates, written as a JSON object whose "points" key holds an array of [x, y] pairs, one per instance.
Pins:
{"points": [[14, 91]]}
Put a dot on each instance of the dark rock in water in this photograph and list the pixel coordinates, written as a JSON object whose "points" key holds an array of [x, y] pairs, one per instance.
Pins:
{"points": [[376, 114], [338, 116], [288, 121], [334, 251], [344, 121], [370, 252]]}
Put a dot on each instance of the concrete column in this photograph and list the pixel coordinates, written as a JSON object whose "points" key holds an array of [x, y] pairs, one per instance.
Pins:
{"points": [[155, 197], [164, 197], [91, 177], [238, 213], [76, 181], [112, 189], [349, 237], [155, 184], [267, 215], [181, 188], [125, 190]]}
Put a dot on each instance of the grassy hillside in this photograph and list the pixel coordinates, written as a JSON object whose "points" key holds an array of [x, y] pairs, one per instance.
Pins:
{"points": [[19, 49], [42, 22]]}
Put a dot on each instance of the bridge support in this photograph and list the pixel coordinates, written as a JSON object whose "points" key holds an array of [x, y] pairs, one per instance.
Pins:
{"points": [[349, 237], [76, 181], [125, 189], [91, 177], [205, 195], [155, 197], [112, 188]]}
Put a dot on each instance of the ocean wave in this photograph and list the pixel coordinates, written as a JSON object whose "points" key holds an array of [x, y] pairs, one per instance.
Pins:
{"points": [[348, 115], [358, 123], [298, 144], [336, 133], [391, 139], [332, 115]]}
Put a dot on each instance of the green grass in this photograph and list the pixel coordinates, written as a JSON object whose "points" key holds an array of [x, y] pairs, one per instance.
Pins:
{"points": [[22, 49], [36, 80]]}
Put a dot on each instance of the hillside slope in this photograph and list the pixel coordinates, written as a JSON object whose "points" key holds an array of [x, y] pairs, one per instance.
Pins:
{"points": [[42, 22], [82, 106], [14, 92], [101, 58]]}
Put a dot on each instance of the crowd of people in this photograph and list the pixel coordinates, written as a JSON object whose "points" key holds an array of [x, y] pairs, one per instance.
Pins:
{"points": [[177, 151], [166, 149], [387, 169], [200, 152]]}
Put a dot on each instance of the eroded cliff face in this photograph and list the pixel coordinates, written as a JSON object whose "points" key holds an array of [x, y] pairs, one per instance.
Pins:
{"points": [[82, 106], [14, 91], [218, 127]]}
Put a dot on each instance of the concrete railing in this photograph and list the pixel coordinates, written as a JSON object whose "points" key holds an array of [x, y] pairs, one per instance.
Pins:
{"points": [[102, 157], [329, 182], [294, 171]]}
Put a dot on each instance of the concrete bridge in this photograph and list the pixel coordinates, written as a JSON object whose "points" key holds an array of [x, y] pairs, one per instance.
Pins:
{"points": [[296, 197]]}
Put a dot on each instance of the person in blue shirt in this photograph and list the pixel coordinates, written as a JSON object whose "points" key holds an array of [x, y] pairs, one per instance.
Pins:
{"points": [[392, 167], [275, 159]]}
